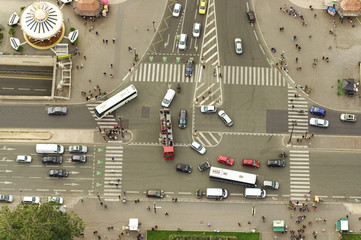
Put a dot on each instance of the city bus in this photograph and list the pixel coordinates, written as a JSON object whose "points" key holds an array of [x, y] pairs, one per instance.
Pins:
{"points": [[235, 177], [116, 101]]}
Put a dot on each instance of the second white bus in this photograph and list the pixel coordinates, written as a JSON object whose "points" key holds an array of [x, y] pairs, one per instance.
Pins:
{"points": [[116, 101], [231, 176]]}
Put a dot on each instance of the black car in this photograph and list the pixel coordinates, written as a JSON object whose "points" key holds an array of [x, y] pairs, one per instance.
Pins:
{"points": [[52, 159], [189, 68], [79, 158], [183, 118], [204, 166], [276, 163], [250, 15], [58, 173], [184, 168]]}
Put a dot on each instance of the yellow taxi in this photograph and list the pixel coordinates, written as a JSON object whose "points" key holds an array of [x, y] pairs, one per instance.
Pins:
{"points": [[203, 7]]}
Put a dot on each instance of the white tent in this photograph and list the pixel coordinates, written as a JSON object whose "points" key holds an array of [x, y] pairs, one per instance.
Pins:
{"points": [[133, 224]]}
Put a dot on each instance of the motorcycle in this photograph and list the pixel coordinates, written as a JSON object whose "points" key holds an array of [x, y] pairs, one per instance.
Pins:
{"points": [[283, 155], [178, 88]]}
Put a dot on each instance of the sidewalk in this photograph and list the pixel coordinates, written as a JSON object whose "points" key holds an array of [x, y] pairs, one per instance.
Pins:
{"points": [[191, 214]]}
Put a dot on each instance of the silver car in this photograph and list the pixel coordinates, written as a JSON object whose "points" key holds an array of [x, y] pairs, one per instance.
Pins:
{"points": [[238, 45], [57, 110], [319, 122], [196, 30], [6, 198], [24, 159], [198, 148], [208, 109]]}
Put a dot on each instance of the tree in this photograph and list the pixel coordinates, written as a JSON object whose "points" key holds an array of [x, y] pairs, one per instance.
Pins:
{"points": [[41, 222], [12, 31]]}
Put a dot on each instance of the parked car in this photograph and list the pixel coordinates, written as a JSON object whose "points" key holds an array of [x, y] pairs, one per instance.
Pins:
{"points": [[238, 45], [250, 163], [250, 15], [184, 168], [183, 118], [78, 149], [319, 122], [276, 163], [204, 166], [203, 7], [208, 109], [198, 147], [225, 118], [61, 110], [271, 185], [189, 68], [177, 10], [59, 200], [318, 111], [347, 117], [24, 159], [31, 200], [79, 158], [52, 159], [58, 173], [196, 30], [225, 160], [155, 193], [6, 198]]}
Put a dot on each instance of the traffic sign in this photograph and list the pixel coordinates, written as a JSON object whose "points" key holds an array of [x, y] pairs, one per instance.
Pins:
{"points": [[99, 173], [98, 184], [100, 161], [165, 59], [178, 59], [151, 59], [100, 149]]}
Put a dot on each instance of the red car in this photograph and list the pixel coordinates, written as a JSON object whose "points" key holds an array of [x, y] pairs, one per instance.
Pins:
{"points": [[250, 163], [225, 160]]}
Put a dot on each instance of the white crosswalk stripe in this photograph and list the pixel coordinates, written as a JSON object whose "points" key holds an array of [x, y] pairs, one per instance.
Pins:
{"points": [[299, 174], [113, 172], [162, 72], [297, 113], [257, 76]]}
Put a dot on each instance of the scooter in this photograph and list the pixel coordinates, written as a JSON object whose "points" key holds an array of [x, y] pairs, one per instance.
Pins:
{"points": [[178, 88], [124, 199], [283, 155]]}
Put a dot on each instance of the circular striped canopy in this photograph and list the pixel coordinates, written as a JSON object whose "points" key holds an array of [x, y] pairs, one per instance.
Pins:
{"points": [[41, 20]]}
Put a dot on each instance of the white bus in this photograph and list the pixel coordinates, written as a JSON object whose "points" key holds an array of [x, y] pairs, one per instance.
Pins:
{"points": [[231, 176], [116, 101]]}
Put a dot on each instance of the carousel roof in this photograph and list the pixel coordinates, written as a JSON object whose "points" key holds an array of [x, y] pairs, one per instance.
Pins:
{"points": [[41, 20]]}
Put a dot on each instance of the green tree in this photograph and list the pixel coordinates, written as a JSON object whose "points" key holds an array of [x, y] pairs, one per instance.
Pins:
{"points": [[12, 31], [41, 222]]}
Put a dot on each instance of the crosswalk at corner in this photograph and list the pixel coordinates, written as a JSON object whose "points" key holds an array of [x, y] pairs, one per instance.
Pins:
{"points": [[299, 162], [113, 173], [297, 113], [107, 121]]}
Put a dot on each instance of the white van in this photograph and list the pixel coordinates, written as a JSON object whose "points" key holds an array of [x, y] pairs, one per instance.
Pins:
{"points": [[255, 193], [49, 148], [216, 193], [182, 42], [168, 98]]}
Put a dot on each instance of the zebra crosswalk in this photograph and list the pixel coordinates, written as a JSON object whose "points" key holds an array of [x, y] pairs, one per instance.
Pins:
{"points": [[299, 174], [162, 72], [107, 121], [113, 173], [256, 76], [297, 112], [208, 139]]}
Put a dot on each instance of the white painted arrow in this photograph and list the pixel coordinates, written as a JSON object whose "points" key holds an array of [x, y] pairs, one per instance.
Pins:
{"points": [[74, 172], [167, 42], [71, 184], [6, 160], [7, 148], [6, 171], [6, 182]]}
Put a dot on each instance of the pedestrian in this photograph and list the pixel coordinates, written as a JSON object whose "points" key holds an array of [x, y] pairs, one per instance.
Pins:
{"points": [[113, 158], [314, 16], [294, 37], [77, 67], [204, 66], [239, 224], [111, 75], [96, 33], [130, 49], [113, 39], [220, 75], [111, 65], [81, 65], [106, 41], [209, 224], [105, 206], [296, 59], [296, 45], [89, 80], [312, 135], [299, 48], [103, 41], [176, 199], [105, 74], [327, 60], [101, 203], [293, 106], [84, 57], [147, 28], [310, 36], [78, 53], [166, 213]]}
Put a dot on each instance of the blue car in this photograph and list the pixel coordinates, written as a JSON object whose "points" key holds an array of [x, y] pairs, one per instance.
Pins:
{"points": [[318, 111]]}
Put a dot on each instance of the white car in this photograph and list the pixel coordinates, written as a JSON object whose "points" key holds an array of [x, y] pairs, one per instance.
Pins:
{"points": [[31, 199], [177, 10], [199, 148], [196, 30], [182, 42], [225, 118], [24, 159], [59, 200], [238, 45], [348, 117], [208, 109], [319, 122]]}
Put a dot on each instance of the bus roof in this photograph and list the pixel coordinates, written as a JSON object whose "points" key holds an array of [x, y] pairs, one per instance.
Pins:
{"points": [[232, 175]]}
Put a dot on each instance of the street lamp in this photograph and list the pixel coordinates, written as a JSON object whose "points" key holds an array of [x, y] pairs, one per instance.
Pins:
{"points": [[294, 123]]}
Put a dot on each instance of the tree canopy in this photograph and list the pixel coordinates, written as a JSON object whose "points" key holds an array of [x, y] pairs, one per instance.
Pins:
{"points": [[41, 222]]}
